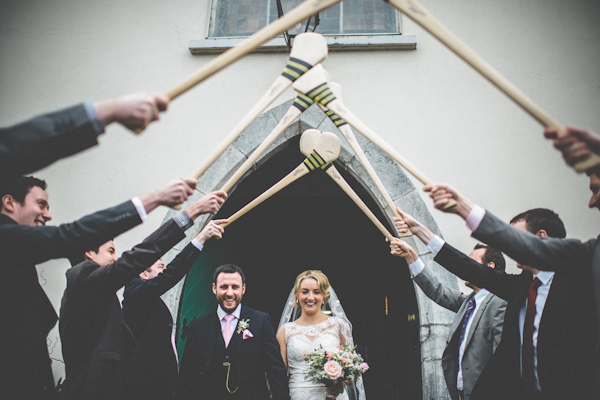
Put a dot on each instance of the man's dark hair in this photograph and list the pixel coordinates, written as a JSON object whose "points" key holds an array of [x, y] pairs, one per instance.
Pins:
{"points": [[492, 255], [79, 257], [19, 187], [537, 219], [229, 269]]}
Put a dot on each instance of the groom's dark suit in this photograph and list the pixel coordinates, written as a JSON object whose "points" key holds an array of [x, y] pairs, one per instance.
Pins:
{"points": [[203, 376], [565, 338]]}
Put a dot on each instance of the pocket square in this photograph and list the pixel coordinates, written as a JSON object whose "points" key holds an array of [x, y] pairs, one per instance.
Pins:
{"points": [[247, 334]]}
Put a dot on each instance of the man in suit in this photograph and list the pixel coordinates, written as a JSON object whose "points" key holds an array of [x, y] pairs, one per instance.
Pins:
{"points": [[155, 356], [27, 314], [229, 350], [38, 142], [477, 327], [95, 340], [547, 345]]}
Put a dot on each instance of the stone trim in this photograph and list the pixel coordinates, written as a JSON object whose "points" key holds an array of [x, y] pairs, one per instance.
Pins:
{"points": [[435, 321]]}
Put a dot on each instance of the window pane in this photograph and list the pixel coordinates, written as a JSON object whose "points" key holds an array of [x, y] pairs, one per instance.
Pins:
{"points": [[244, 17]]}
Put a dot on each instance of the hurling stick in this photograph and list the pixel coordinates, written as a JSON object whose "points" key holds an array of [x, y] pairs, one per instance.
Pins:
{"points": [[309, 137], [306, 9], [346, 131], [421, 16], [314, 85], [309, 49], [301, 104], [326, 150]]}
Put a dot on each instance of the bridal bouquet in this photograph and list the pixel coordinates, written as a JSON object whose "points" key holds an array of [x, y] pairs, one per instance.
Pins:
{"points": [[334, 366]]}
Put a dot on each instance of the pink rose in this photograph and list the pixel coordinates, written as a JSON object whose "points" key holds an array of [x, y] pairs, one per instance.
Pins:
{"points": [[364, 367], [333, 370]]}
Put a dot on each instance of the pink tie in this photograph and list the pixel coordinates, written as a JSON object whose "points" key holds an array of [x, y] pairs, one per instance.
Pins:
{"points": [[227, 329]]}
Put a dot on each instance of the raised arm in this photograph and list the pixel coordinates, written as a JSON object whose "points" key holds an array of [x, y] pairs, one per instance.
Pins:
{"points": [[42, 243], [33, 144], [429, 283], [537, 252], [140, 290]]}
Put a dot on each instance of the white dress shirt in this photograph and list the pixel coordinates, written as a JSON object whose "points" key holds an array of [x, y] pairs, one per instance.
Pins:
{"points": [[236, 313]]}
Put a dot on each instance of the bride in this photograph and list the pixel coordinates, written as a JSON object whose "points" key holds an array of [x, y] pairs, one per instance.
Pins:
{"points": [[297, 336]]}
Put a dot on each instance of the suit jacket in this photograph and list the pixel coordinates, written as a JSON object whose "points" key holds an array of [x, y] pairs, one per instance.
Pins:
{"points": [[553, 254], [95, 340], [151, 323], [27, 315], [254, 357], [483, 337], [38, 142], [565, 338]]}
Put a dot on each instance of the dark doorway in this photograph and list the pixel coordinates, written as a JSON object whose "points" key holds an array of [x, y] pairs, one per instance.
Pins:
{"points": [[312, 224]]}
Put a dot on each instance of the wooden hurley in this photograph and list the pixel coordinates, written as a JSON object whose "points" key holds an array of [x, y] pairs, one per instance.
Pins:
{"points": [[421, 16], [309, 137], [309, 49], [326, 150], [346, 131], [301, 104], [306, 9], [314, 85]]}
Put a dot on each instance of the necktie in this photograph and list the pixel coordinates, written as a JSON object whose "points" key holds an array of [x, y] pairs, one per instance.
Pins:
{"points": [[227, 329], [528, 353], [463, 331]]}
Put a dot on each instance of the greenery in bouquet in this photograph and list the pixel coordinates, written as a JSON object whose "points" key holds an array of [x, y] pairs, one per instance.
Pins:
{"points": [[335, 366]]}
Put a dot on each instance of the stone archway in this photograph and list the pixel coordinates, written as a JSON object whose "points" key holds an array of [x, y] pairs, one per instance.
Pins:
{"points": [[433, 321]]}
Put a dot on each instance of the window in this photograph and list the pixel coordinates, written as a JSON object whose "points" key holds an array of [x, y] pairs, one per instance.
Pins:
{"points": [[234, 18]]}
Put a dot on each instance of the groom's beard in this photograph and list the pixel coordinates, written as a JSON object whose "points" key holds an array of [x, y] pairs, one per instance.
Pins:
{"points": [[229, 306]]}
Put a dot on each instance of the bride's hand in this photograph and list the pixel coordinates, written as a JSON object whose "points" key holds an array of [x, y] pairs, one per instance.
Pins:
{"points": [[333, 392]]}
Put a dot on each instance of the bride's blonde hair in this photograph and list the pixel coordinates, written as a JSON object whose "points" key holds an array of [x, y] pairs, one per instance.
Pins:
{"points": [[317, 275]]}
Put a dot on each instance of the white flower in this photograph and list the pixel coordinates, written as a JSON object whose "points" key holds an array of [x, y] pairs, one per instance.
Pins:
{"points": [[243, 324]]}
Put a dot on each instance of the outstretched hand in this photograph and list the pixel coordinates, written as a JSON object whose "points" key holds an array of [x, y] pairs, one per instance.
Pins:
{"points": [[406, 223], [211, 203], [212, 229], [576, 144], [134, 111], [443, 194], [172, 194], [400, 248]]}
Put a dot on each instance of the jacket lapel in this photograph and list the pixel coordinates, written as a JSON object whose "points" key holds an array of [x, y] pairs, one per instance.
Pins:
{"points": [[236, 340], [458, 321]]}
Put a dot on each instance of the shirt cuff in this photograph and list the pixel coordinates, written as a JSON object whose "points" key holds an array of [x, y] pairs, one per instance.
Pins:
{"points": [[416, 267], [91, 111], [436, 245], [475, 217], [183, 220], [139, 206], [197, 244]]}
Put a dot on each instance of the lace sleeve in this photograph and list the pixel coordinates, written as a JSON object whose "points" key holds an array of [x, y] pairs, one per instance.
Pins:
{"points": [[345, 332]]}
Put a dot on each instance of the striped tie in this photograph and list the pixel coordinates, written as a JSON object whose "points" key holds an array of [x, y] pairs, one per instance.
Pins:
{"points": [[463, 331]]}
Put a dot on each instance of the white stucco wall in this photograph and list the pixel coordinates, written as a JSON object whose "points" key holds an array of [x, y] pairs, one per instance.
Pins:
{"points": [[441, 115]]}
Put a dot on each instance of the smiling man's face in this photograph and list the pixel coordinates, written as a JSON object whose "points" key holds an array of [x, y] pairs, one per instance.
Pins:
{"points": [[35, 210]]}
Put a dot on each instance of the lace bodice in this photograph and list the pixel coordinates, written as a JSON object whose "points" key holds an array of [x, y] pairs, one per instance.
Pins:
{"points": [[301, 340]]}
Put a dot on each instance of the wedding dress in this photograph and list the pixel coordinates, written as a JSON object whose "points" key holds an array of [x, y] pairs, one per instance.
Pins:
{"points": [[301, 340]]}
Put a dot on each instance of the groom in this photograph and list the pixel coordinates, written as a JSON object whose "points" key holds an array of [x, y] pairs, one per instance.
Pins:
{"points": [[229, 350]]}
